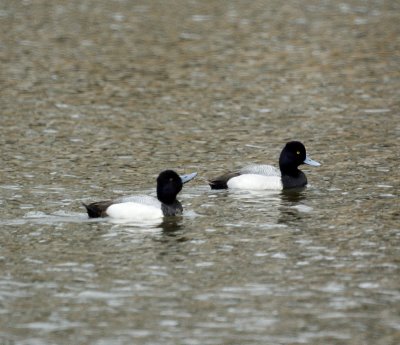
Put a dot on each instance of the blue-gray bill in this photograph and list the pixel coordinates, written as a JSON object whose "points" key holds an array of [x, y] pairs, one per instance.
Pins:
{"points": [[188, 177], [311, 162]]}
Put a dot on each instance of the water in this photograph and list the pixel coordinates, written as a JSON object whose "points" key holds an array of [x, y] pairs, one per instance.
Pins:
{"points": [[98, 97]]}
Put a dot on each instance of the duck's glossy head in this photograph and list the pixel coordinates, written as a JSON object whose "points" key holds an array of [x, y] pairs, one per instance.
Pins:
{"points": [[169, 184], [293, 155]]}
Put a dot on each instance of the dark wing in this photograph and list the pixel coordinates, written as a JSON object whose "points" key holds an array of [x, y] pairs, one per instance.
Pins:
{"points": [[221, 182], [98, 209]]}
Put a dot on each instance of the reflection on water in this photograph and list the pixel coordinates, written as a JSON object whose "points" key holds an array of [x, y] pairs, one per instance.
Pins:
{"points": [[98, 97]]}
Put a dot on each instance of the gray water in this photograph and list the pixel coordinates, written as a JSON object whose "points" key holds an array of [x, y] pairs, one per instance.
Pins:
{"points": [[98, 97]]}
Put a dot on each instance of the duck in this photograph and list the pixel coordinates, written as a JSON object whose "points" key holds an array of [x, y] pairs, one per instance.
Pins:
{"points": [[144, 207], [267, 177]]}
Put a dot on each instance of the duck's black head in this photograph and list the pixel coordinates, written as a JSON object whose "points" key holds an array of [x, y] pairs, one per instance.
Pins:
{"points": [[293, 155], [169, 184]]}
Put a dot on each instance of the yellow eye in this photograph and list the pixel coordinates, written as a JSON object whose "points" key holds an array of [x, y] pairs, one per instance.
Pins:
{"points": [[298, 152]]}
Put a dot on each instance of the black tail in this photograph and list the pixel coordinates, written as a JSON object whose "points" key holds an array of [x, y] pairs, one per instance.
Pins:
{"points": [[218, 184], [221, 182], [97, 209]]}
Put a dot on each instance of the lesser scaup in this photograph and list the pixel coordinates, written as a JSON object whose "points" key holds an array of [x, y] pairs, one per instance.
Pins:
{"points": [[261, 177], [142, 207]]}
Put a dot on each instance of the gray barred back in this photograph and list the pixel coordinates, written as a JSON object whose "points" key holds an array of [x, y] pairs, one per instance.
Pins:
{"points": [[141, 199], [262, 169]]}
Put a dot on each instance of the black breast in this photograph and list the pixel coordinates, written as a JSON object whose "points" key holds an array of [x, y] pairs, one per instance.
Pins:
{"points": [[173, 209], [294, 181]]}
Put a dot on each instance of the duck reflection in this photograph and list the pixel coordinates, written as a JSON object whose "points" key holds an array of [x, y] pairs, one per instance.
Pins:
{"points": [[292, 208], [171, 225], [166, 225]]}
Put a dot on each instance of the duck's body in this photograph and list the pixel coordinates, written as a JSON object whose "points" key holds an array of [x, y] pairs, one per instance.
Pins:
{"points": [[256, 177], [267, 177], [143, 207]]}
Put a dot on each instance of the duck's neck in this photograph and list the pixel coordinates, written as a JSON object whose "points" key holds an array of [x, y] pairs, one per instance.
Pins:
{"points": [[165, 196], [292, 177], [166, 199], [288, 168]]}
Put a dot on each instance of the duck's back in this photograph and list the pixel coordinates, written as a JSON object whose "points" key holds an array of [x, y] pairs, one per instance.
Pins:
{"points": [[260, 169], [140, 199], [257, 177]]}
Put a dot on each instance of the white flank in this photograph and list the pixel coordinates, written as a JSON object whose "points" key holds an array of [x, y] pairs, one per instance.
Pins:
{"points": [[134, 211], [255, 182]]}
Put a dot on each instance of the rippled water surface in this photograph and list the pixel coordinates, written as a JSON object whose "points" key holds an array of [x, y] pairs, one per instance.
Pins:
{"points": [[97, 97]]}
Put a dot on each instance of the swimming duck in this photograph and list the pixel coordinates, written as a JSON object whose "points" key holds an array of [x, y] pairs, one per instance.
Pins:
{"points": [[263, 177], [143, 207]]}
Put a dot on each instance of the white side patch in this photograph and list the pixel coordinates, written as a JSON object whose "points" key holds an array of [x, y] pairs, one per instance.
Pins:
{"points": [[255, 182], [134, 210]]}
